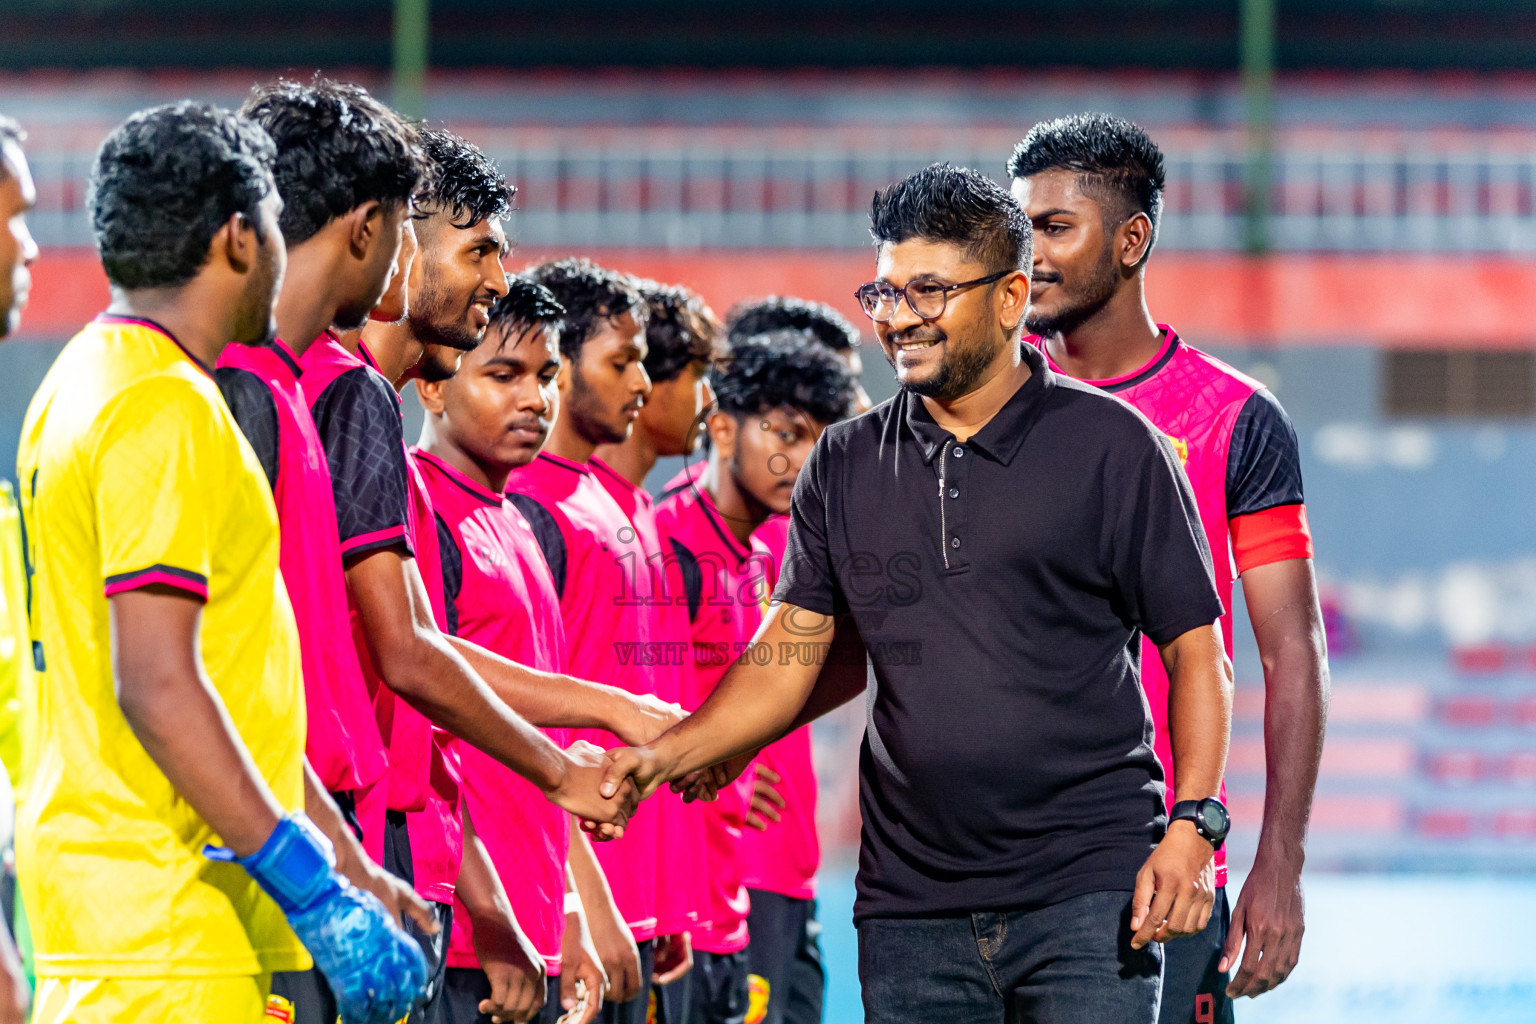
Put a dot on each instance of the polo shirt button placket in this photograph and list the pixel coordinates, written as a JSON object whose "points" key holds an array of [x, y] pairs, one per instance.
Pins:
{"points": [[953, 520]]}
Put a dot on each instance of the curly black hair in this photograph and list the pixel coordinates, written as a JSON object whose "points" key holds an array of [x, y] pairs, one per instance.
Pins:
{"points": [[784, 369], [463, 181], [590, 294], [163, 184], [945, 203], [751, 317], [526, 305], [682, 329], [337, 148], [1117, 162]]}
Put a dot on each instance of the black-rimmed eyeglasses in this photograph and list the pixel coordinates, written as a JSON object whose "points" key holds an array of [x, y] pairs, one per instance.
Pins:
{"points": [[926, 299]]}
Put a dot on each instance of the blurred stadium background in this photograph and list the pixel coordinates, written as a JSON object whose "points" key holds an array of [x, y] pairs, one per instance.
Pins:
{"points": [[1351, 217]]}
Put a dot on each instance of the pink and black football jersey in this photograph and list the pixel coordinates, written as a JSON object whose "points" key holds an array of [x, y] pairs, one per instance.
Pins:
{"points": [[785, 858], [681, 890], [726, 587], [598, 564], [378, 505], [1241, 455], [260, 383], [499, 594]]}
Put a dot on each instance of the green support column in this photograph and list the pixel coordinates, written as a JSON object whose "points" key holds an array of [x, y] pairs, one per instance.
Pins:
{"points": [[410, 57], [1258, 57]]}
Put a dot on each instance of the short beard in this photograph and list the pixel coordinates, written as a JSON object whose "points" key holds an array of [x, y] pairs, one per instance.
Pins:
{"points": [[1096, 292], [960, 370], [433, 323]]}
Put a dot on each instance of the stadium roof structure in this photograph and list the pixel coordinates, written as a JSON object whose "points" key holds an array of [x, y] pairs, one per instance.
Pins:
{"points": [[1196, 35]]}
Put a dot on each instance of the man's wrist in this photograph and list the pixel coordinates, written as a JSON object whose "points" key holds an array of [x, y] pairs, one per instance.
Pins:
{"points": [[1186, 830], [618, 711], [556, 773], [1285, 855], [667, 757]]}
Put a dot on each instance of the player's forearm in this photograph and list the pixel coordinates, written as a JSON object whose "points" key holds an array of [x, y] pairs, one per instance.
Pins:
{"points": [[754, 704], [176, 715], [438, 682], [478, 886], [586, 877], [843, 677], [1293, 650], [423, 667], [1199, 712], [548, 699]]}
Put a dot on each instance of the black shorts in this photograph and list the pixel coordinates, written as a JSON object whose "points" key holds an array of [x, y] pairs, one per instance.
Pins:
{"points": [[787, 982], [465, 987], [1194, 991], [720, 988]]}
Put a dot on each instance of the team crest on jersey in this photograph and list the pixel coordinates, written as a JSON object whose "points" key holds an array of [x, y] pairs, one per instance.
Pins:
{"points": [[279, 1010], [1182, 447], [757, 998]]}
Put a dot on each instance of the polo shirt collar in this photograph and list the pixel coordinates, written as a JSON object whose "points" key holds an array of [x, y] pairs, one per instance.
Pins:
{"points": [[1004, 433]]}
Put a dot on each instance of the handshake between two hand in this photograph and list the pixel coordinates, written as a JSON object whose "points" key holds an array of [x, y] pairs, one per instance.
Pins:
{"points": [[603, 788]]}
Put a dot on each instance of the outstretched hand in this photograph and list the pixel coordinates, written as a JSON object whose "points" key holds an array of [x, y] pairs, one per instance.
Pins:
{"points": [[636, 767], [585, 791]]}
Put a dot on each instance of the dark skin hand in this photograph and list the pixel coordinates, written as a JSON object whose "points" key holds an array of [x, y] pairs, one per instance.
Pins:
{"points": [[353, 864], [514, 968], [1268, 918], [756, 704], [766, 801], [582, 981], [842, 677], [423, 667], [1176, 888], [674, 958], [611, 937]]}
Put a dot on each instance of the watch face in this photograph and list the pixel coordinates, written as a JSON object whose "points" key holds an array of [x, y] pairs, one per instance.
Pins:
{"points": [[1213, 817]]}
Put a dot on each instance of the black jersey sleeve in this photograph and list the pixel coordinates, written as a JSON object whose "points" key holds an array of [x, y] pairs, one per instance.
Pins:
{"points": [[251, 403], [453, 572], [1263, 460], [547, 532], [358, 417]]}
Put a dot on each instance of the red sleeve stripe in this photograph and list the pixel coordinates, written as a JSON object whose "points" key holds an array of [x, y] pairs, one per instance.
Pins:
{"points": [[1273, 535], [182, 579]]}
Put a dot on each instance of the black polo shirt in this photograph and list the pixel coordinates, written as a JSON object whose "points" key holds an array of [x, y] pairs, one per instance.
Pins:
{"points": [[1001, 587]]}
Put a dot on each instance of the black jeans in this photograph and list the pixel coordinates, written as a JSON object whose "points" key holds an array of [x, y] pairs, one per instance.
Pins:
{"points": [[1070, 963]]}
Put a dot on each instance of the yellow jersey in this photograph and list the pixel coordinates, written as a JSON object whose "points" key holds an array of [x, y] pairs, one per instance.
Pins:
{"points": [[134, 473], [15, 644]]}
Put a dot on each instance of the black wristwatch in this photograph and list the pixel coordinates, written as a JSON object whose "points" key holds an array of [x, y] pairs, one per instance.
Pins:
{"points": [[1209, 815]]}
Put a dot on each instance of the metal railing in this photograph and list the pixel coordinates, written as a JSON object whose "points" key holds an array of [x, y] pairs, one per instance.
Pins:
{"points": [[638, 188]]}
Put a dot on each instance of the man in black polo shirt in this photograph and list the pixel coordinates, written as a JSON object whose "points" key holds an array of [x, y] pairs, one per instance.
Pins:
{"points": [[998, 537]]}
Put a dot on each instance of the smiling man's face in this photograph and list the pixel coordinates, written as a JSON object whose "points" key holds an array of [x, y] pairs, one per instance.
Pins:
{"points": [[461, 278], [944, 357]]}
